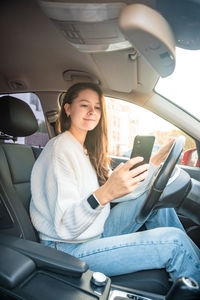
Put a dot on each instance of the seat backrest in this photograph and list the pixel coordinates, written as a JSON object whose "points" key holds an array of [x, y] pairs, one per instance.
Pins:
{"points": [[16, 162]]}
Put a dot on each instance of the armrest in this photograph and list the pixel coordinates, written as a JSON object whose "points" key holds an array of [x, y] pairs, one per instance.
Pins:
{"points": [[46, 258], [14, 267]]}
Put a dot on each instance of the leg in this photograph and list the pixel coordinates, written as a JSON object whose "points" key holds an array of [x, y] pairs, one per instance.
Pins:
{"points": [[153, 249], [122, 218], [164, 217]]}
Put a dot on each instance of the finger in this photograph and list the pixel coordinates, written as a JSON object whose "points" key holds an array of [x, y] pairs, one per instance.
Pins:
{"points": [[119, 167], [170, 143], [132, 162], [165, 149], [171, 139], [141, 169], [139, 178]]}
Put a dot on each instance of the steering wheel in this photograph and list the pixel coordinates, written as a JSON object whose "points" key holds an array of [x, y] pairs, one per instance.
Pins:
{"points": [[161, 179]]}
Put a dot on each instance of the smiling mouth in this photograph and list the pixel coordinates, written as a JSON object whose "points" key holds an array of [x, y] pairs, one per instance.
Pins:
{"points": [[89, 120]]}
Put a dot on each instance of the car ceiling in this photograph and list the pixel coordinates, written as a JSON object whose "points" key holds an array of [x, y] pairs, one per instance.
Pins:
{"points": [[35, 54]]}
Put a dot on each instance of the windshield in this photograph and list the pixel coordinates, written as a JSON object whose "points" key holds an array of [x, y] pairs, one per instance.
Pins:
{"points": [[183, 86]]}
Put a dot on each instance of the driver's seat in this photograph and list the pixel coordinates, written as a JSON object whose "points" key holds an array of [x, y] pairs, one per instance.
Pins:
{"points": [[16, 162]]}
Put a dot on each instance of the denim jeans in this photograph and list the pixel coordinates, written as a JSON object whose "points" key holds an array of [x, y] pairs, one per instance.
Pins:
{"points": [[122, 250]]}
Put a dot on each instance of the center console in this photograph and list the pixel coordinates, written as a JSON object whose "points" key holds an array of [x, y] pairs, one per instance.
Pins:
{"points": [[29, 270]]}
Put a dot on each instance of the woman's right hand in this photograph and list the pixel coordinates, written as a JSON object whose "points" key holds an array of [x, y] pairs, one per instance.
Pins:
{"points": [[122, 180]]}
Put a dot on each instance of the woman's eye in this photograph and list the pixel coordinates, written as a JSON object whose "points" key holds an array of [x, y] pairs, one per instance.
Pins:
{"points": [[98, 107], [84, 105]]}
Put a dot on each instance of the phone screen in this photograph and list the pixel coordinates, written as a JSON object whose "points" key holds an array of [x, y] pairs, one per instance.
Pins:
{"points": [[142, 146]]}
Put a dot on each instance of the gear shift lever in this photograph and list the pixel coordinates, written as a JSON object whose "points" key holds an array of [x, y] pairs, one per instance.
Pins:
{"points": [[184, 288]]}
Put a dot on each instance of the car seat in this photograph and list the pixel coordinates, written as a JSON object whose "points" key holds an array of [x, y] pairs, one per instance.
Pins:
{"points": [[16, 162]]}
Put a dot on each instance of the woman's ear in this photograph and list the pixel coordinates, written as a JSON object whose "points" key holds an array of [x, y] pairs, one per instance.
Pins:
{"points": [[67, 109]]}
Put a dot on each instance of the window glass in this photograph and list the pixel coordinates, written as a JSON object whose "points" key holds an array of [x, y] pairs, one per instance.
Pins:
{"points": [[126, 120], [182, 87], [41, 137], [194, 158]]}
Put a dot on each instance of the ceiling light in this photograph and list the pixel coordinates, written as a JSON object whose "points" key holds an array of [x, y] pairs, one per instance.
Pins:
{"points": [[82, 12], [90, 27]]}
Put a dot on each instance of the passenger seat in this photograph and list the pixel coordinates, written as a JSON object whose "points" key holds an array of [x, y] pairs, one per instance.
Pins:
{"points": [[16, 162]]}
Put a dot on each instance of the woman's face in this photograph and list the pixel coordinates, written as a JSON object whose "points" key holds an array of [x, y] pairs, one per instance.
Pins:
{"points": [[85, 111]]}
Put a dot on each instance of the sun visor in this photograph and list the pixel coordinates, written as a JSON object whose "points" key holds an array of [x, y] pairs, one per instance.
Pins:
{"points": [[151, 35]]}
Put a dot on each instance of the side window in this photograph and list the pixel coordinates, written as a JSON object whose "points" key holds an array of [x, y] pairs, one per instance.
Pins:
{"points": [[126, 120], [41, 137]]}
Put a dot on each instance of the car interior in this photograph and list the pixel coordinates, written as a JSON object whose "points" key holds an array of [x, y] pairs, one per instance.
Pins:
{"points": [[125, 47]]}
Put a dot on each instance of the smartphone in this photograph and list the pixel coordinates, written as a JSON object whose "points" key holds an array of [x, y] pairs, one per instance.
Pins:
{"points": [[142, 146]]}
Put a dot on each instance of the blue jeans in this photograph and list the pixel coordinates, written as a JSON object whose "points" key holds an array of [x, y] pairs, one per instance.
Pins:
{"points": [[122, 250]]}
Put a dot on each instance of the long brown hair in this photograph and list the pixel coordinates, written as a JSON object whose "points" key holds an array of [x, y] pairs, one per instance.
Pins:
{"points": [[96, 140]]}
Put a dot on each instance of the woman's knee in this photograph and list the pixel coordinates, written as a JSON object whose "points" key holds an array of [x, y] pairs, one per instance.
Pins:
{"points": [[178, 235]]}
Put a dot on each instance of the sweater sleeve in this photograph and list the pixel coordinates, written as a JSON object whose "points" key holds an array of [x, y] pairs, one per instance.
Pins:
{"points": [[72, 215]]}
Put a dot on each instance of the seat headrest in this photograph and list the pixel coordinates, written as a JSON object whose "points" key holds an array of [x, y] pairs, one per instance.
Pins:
{"points": [[16, 117]]}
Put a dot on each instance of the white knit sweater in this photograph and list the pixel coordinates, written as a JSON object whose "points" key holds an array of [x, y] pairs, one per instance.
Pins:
{"points": [[61, 181]]}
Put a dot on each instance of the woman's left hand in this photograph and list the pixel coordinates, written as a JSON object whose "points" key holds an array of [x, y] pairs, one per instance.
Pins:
{"points": [[162, 153]]}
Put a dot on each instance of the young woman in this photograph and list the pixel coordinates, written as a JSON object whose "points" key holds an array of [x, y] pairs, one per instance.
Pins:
{"points": [[72, 189]]}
